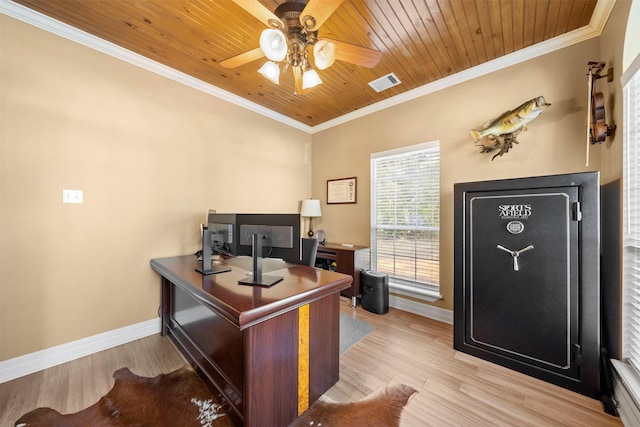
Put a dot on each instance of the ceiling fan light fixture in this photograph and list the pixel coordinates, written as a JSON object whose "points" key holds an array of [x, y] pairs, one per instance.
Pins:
{"points": [[324, 54], [310, 78], [271, 71], [274, 44], [292, 32]]}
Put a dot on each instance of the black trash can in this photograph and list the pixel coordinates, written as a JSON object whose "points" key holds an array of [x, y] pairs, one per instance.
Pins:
{"points": [[375, 291]]}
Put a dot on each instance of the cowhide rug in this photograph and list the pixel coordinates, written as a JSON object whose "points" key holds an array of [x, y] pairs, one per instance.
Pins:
{"points": [[380, 409], [180, 398]]}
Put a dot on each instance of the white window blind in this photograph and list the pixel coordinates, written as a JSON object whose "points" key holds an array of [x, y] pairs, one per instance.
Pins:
{"points": [[405, 215], [631, 230]]}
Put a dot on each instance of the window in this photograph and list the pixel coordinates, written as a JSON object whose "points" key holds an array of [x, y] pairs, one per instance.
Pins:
{"points": [[631, 215], [405, 218]]}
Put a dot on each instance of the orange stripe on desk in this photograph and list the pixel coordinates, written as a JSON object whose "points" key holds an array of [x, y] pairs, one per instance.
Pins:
{"points": [[303, 358]]}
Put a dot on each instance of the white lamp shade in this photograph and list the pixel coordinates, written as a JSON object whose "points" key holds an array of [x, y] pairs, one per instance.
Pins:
{"points": [[271, 71], [324, 54], [310, 78], [274, 44], [310, 208]]}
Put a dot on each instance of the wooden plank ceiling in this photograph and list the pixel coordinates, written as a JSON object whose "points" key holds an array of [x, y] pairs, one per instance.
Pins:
{"points": [[421, 41]]}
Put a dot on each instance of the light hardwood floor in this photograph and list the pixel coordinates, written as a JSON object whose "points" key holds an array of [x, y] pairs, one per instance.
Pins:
{"points": [[454, 389]]}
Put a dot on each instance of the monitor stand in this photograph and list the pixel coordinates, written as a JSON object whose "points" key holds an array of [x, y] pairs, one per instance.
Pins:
{"points": [[207, 268], [257, 279]]}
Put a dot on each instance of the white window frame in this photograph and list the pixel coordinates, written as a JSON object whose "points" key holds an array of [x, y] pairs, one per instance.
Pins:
{"points": [[631, 222], [418, 290], [627, 390]]}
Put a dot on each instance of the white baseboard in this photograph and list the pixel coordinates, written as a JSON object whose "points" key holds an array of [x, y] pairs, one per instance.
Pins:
{"points": [[420, 309], [43, 359]]}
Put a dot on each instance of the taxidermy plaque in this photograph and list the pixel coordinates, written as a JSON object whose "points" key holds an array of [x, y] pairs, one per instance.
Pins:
{"points": [[503, 131]]}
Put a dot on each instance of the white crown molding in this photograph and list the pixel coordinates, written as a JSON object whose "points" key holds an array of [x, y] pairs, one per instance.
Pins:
{"points": [[598, 21], [601, 15], [594, 29], [43, 359], [44, 22]]}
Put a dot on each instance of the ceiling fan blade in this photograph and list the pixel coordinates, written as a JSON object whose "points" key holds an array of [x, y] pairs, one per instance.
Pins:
{"points": [[320, 10], [355, 54], [297, 75], [243, 58], [256, 8]]}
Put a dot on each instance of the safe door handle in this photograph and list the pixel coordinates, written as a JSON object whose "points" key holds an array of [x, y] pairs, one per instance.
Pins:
{"points": [[502, 248], [528, 248], [515, 254]]}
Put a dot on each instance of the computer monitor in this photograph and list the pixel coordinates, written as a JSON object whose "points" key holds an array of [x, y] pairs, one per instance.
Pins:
{"points": [[223, 233], [280, 235], [206, 266], [233, 234]]}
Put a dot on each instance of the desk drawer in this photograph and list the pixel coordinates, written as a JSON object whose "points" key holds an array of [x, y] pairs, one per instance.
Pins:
{"points": [[326, 255]]}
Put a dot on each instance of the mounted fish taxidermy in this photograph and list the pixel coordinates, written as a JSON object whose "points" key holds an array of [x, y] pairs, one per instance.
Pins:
{"points": [[504, 130]]}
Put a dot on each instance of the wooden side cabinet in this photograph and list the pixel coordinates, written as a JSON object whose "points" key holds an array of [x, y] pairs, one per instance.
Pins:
{"points": [[348, 260]]}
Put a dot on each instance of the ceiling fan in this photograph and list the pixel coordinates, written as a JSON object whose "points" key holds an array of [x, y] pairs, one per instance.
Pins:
{"points": [[293, 30]]}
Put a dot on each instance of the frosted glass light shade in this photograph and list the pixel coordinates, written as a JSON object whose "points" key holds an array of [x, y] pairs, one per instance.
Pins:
{"points": [[324, 54], [271, 71], [274, 44], [310, 208], [310, 78]]}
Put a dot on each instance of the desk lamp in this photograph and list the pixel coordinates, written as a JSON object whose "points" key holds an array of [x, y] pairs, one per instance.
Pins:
{"points": [[311, 209]]}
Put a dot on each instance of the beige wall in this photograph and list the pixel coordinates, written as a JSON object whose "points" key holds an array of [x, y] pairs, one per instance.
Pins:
{"points": [[151, 156], [612, 45], [553, 144]]}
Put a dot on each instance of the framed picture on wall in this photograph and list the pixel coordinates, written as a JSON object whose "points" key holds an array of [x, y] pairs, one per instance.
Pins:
{"points": [[341, 190]]}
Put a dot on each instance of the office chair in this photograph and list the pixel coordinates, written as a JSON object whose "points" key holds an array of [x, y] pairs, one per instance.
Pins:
{"points": [[309, 251]]}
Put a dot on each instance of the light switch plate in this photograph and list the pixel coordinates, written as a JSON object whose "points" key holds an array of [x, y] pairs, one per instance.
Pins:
{"points": [[72, 196]]}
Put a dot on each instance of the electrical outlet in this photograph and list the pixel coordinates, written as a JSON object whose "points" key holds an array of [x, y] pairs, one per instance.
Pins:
{"points": [[72, 196]]}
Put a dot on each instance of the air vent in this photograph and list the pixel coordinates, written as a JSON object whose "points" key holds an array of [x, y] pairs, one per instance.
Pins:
{"points": [[385, 82]]}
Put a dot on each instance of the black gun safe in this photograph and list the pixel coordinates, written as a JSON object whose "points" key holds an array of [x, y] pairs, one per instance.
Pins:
{"points": [[526, 280]]}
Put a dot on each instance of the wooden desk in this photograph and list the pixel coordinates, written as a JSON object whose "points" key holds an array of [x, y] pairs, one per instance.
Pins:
{"points": [[268, 353], [349, 260]]}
